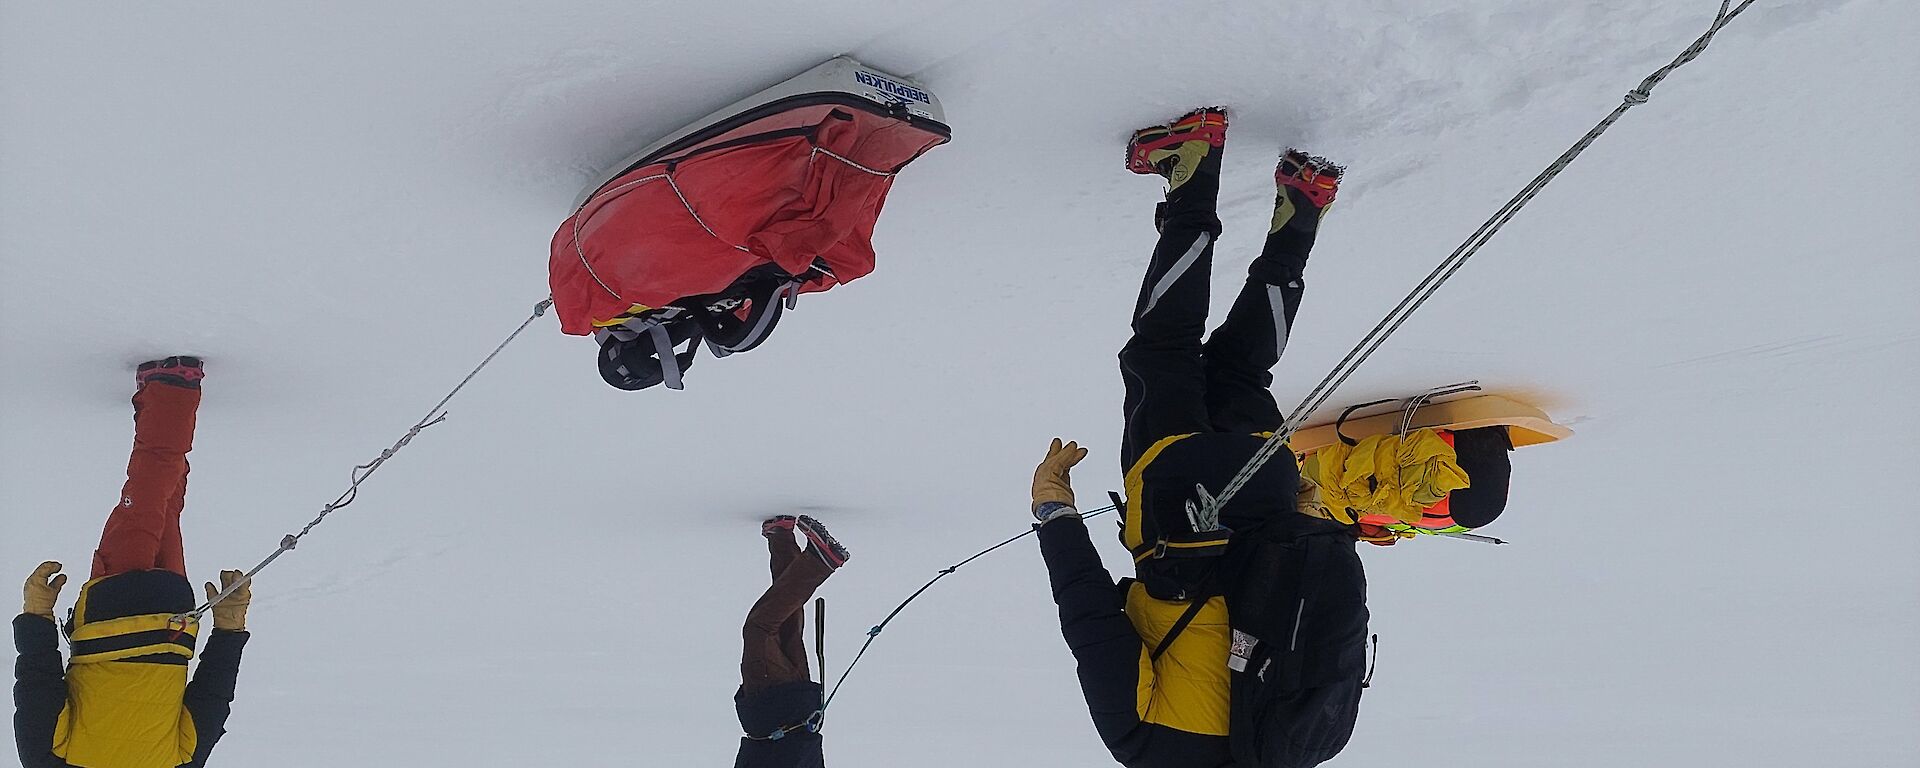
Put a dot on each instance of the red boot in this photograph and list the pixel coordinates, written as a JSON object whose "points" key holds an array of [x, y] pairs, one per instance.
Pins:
{"points": [[1306, 183], [1178, 151], [179, 370]]}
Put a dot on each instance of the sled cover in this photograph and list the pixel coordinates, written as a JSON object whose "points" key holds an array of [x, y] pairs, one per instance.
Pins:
{"points": [[794, 176]]}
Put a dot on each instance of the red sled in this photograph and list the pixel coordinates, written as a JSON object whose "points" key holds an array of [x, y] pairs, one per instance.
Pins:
{"points": [[706, 236]]}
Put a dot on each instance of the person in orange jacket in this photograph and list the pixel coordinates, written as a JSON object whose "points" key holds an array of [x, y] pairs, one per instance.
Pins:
{"points": [[124, 699]]}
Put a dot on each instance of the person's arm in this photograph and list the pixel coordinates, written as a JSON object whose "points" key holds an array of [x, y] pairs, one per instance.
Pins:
{"points": [[1093, 619], [1106, 649], [39, 690], [39, 676], [209, 698]]}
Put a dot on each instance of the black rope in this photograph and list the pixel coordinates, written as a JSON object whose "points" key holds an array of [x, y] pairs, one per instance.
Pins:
{"points": [[945, 572]]}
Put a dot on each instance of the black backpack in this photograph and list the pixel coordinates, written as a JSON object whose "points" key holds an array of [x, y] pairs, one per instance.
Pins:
{"points": [[1296, 601], [645, 351]]}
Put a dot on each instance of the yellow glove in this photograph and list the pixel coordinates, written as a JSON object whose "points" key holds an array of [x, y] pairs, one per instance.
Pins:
{"points": [[43, 589], [1050, 479], [231, 614]]}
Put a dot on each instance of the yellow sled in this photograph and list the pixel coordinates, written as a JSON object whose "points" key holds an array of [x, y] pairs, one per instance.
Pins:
{"points": [[1526, 425]]}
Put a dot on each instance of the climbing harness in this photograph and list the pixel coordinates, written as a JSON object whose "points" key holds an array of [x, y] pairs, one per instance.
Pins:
{"points": [[360, 473], [878, 628], [1445, 271], [811, 725]]}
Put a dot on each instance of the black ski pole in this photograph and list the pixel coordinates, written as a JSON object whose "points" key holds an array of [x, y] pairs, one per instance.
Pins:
{"points": [[820, 635]]}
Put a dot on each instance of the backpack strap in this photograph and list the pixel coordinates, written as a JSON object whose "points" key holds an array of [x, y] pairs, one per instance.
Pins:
{"points": [[727, 334], [1193, 609]]}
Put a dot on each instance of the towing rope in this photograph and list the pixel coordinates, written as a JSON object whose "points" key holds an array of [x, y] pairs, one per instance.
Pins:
{"points": [[944, 572], [1458, 258], [434, 416]]}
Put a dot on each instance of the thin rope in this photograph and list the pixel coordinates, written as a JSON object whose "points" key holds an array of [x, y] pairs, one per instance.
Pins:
{"points": [[696, 215], [434, 416], [849, 161], [579, 221], [874, 633], [1452, 264]]}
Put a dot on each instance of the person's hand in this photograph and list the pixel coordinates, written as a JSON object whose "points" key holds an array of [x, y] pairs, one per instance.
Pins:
{"points": [[43, 589], [1050, 480], [231, 614]]}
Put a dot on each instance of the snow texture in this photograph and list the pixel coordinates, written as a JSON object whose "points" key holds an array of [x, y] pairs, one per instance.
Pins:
{"points": [[344, 206]]}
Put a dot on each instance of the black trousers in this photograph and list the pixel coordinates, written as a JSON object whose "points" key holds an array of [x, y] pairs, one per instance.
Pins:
{"points": [[1174, 383]]}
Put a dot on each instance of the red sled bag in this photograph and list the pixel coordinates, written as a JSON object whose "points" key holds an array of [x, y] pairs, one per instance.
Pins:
{"points": [[705, 237]]}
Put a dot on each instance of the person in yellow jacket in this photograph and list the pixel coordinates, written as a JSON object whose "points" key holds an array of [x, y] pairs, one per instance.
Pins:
{"points": [[124, 698], [1239, 641]]}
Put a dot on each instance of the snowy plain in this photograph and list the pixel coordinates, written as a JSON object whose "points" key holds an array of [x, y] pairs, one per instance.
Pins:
{"points": [[344, 206]]}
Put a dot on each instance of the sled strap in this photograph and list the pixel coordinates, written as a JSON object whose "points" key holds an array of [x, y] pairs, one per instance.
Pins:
{"points": [[1342, 421], [1193, 609], [765, 313], [1412, 405], [669, 367]]}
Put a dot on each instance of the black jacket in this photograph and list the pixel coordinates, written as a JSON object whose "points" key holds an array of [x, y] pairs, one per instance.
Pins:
{"points": [[40, 690], [782, 706]]}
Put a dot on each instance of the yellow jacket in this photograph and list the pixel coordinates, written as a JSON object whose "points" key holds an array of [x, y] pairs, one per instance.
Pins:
{"points": [[1393, 475], [121, 713], [1187, 688], [123, 700]]}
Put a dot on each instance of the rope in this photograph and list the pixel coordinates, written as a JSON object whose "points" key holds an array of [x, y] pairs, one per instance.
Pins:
{"points": [[1445, 271], [360, 473], [874, 633]]}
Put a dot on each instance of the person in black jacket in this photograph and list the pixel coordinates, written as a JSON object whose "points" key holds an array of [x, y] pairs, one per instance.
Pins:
{"points": [[779, 704], [123, 699], [1241, 639]]}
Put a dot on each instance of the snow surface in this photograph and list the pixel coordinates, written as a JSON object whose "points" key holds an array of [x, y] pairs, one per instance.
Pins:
{"points": [[344, 206]]}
